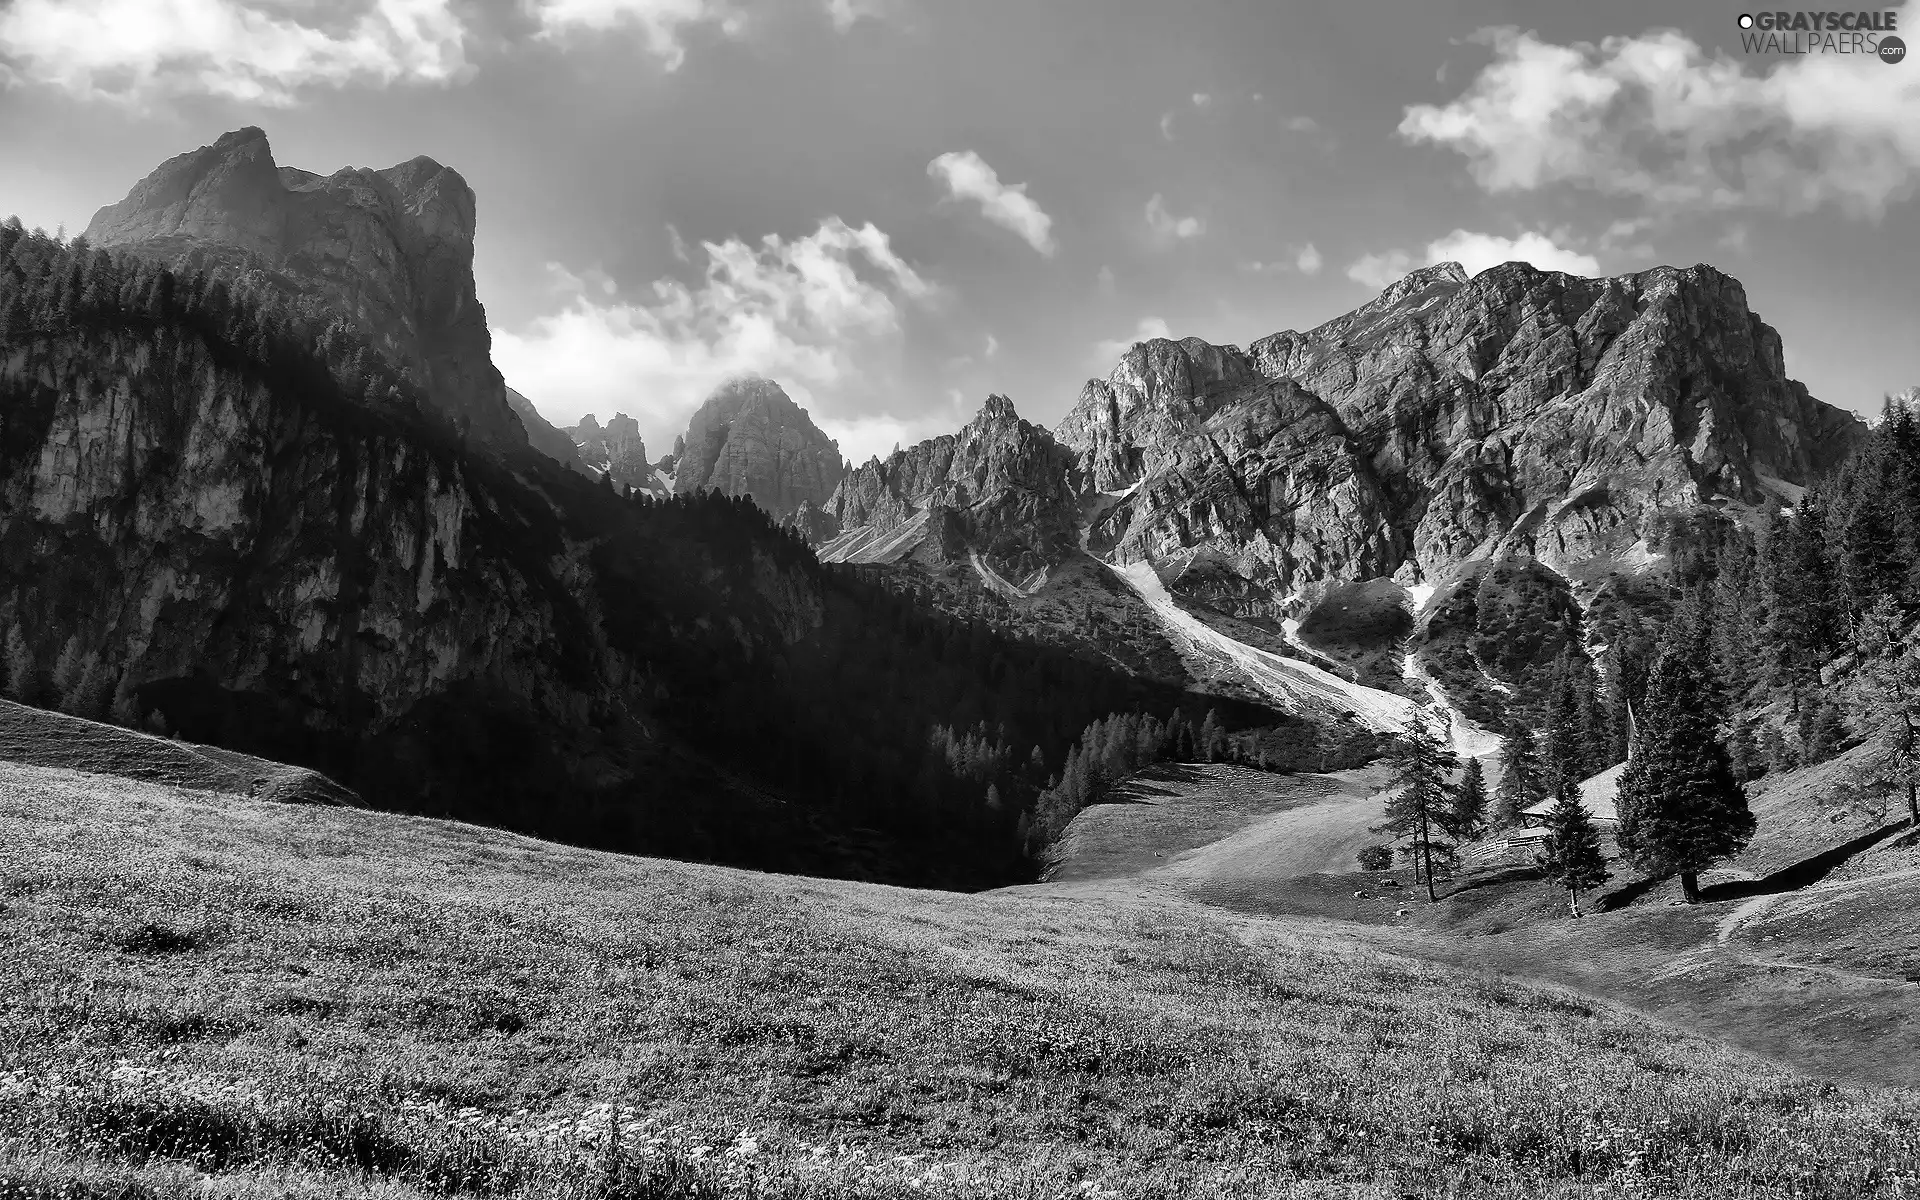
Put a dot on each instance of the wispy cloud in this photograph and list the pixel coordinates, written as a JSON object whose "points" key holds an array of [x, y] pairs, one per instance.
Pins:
{"points": [[968, 177], [255, 51], [1167, 227], [1308, 260], [1657, 118]]}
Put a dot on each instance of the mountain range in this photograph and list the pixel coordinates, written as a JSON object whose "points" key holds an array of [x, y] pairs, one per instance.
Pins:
{"points": [[284, 500]]}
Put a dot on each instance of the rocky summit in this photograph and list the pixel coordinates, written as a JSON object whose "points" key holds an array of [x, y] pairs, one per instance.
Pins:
{"points": [[391, 251], [616, 451], [1445, 420], [751, 439]]}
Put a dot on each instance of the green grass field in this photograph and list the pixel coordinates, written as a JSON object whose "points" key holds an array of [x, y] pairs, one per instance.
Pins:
{"points": [[209, 995]]}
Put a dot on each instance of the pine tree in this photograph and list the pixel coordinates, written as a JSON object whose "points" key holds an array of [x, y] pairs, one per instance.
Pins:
{"points": [[1822, 730], [22, 675], [1212, 742], [1565, 750], [1572, 857], [1885, 692], [1521, 782], [1420, 800], [1681, 810], [1466, 817], [1743, 752]]}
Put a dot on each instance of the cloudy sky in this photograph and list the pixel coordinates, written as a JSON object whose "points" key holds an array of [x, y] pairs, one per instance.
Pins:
{"points": [[896, 207]]}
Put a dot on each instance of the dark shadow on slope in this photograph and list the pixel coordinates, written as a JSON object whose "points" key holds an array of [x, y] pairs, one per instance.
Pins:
{"points": [[1806, 872]]}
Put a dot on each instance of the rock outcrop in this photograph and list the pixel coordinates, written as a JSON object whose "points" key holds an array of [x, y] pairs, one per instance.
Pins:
{"points": [[616, 450], [751, 439], [1441, 421], [390, 250], [1001, 487]]}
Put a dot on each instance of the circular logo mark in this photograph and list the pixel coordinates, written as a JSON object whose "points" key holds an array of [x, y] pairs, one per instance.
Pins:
{"points": [[1746, 20], [1892, 49]]}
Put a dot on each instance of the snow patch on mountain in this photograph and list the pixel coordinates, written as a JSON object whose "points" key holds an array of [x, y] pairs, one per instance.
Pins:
{"points": [[1468, 739], [1294, 686]]}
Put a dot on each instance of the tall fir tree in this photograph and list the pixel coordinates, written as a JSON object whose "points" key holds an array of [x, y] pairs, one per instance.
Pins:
{"points": [[1572, 856], [1681, 810], [1522, 780], [1420, 799], [1466, 815]]}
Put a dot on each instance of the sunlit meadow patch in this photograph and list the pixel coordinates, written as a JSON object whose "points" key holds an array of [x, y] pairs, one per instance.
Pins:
{"points": [[402, 1016]]}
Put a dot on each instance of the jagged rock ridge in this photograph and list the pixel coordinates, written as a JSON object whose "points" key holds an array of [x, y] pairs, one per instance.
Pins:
{"points": [[616, 451], [392, 250], [750, 439], [1448, 422], [1444, 420]]}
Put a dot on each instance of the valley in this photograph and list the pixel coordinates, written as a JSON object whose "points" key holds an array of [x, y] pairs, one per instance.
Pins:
{"points": [[406, 791], [1823, 976]]}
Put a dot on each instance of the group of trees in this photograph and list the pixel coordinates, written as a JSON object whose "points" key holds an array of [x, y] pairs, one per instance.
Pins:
{"points": [[1109, 750]]}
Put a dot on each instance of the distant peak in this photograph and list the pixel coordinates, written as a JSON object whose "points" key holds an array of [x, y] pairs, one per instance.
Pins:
{"points": [[997, 408], [240, 137]]}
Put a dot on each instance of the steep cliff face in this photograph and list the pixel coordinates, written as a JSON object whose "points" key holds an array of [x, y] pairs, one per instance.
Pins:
{"points": [[751, 439], [184, 546], [390, 250], [542, 435], [1444, 420], [616, 451]]}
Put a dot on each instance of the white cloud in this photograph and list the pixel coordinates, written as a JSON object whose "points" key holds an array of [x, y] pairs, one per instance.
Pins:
{"points": [[1303, 125], [968, 177], [844, 13], [663, 24], [1166, 125], [1306, 260], [254, 51], [1379, 270], [1476, 252], [1105, 281], [1201, 100], [993, 345], [812, 313], [1657, 118], [1148, 329], [1168, 227]]}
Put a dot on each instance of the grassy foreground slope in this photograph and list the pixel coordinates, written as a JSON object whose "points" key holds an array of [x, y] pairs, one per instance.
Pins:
{"points": [[212, 995]]}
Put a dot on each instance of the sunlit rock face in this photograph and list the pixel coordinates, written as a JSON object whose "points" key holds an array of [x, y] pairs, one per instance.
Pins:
{"points": [[750, 439]]}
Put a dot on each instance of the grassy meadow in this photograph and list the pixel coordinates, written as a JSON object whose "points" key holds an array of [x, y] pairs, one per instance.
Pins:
{"points": [[208, 995]]}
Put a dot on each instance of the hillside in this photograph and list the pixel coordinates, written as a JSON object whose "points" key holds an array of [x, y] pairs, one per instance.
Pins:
{"points": [[1804, 949], [300, 1001]]}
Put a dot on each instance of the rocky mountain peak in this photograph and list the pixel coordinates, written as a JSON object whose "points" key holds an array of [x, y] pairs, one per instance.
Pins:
{"points": [[616, 450], [392, 250], [750, 439]]}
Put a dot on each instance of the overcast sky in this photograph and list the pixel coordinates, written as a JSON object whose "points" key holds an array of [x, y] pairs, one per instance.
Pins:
{"points": [[895, 207]]}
